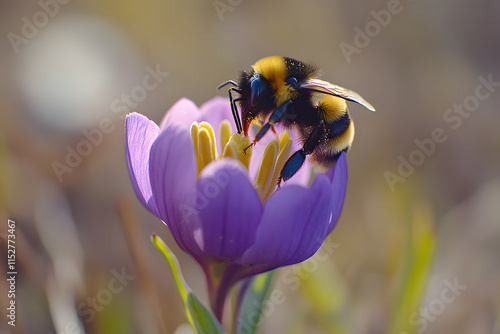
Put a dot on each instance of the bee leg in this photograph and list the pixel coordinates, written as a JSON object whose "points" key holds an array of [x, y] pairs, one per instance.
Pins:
{"points": [[292, 165], [276, 116], [296, 160], [234, 110], [274, 131]]}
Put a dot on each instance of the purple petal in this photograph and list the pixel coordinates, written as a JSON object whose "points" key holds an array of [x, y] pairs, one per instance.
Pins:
{"points": [[140, 133], [259, 149], [338, 177], [173, 179], [229, 209], [215, 111], [302, 177], [293, 225], [183, 112]]}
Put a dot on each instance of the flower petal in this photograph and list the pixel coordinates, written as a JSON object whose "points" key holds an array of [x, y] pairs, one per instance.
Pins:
{"points": [[140, 133], [172, 169], [215, 111], [302, 176], [338, 177], [293, 226], [183, 112], [231, 209]]}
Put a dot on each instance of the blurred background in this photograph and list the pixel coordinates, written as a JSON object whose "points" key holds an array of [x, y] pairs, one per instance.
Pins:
{"points": [[417, 247]]}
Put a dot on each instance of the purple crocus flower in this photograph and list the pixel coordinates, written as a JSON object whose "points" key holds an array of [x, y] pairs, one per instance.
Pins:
{"points": [[221, 205]]}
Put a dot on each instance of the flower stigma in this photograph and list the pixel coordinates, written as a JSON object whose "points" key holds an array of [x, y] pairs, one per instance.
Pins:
{"points": [[232, 146]]}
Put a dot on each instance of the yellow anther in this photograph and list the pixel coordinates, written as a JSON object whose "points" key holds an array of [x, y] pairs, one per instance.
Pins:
{"points": [[240, 143], [210, 130], [266, 169], [232, 146], [205, 146], [225, 134], [285, 149], [284, 139], [231, 150], [194, 137], [244, 157]]}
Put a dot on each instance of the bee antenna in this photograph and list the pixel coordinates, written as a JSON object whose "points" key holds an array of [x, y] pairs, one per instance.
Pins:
{"points": [[229, 82]]}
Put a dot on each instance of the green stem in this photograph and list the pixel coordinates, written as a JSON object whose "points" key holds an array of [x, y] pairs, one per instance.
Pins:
{"points": [[218, 299], [245, 283]]}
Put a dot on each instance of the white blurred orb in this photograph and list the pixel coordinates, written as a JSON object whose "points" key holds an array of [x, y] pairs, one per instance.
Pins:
{"points": [[72, 70]]}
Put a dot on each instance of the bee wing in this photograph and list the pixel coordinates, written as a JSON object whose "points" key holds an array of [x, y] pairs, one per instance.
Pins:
{"points": [[325, 87]]}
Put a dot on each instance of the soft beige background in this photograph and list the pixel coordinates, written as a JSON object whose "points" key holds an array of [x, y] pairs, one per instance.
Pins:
{"points": [[65, 78]]}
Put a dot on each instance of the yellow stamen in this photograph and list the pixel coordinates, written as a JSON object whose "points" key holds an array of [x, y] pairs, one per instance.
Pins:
{"points": [[284, 139], [205, 148], [204, 152], [285, 149], [264, 176], [231, 150], [194, 137], [240, 144], [225, 134], [210, 130], [232, 146]]}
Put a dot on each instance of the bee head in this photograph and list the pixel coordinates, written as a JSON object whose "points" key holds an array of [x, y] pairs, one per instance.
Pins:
{"points": [[257, 86]]}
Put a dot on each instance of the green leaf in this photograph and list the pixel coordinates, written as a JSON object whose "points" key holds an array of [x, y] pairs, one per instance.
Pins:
{"points": [[199, 316], [421, 246], [205, 321], [253, 302]]}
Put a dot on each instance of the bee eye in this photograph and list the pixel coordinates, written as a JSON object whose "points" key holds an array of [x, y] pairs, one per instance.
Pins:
{"points": [[292, 82]]}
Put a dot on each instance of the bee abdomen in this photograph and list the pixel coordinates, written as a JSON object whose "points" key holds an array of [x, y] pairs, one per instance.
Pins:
{"points": [[339, 137]]}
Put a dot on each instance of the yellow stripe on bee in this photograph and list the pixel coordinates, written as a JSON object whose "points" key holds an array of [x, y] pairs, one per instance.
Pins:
{"points": [[343, 141], [274, 70], [332, 107]]}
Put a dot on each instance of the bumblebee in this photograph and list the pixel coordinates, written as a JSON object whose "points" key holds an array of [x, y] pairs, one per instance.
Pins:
{"points": [[287, 91]]}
